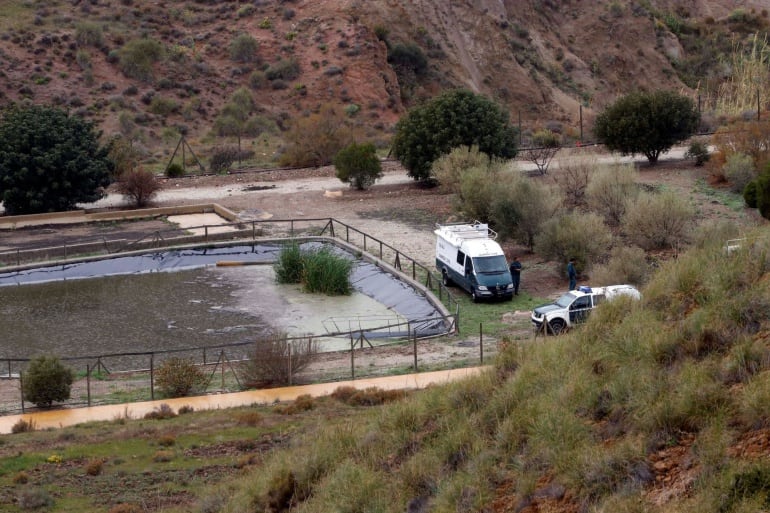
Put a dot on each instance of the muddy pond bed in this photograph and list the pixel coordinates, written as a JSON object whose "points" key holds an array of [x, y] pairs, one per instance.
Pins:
{"points": [[180, 300]]}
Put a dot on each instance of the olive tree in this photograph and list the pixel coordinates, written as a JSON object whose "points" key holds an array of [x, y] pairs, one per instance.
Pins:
{"points": [[358, 165], [647, 123], [47, 381], [452, 119], [49, 161]]}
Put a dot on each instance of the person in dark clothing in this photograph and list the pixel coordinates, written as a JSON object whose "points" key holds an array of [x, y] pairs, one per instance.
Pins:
{"points": [[515, 269], [572, 274]]}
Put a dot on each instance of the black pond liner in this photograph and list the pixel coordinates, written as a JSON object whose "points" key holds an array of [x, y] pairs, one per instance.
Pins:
{"points": [[366, 278]]}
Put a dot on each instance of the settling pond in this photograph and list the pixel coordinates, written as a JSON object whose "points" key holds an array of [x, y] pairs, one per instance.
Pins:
{"points": [[176, 300]]}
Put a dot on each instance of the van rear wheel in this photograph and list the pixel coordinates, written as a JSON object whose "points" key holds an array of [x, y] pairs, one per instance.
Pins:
{"points": [[445, 279]]}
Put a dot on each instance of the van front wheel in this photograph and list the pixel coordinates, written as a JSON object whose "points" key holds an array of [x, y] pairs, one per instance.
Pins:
{"points": [[445, 279], [474, 296]]}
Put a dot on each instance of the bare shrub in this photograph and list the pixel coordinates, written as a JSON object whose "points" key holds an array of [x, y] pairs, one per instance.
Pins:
{"points": [[179, 377], [521, 206], [658, 221], [584, 237], [304, 402], [627, 264], [545, 145], [316, 139], [164, 411], [715, 233], [572, 177], [274, 357], [34, 498], [610, 189], [94, 467], [248, 418], [371, 396], [222, 159], [138, 185], [739, 170], [23, 426]]}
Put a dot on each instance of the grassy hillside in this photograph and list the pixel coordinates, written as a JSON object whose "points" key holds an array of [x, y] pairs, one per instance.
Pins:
{"points": [[659, 405]]}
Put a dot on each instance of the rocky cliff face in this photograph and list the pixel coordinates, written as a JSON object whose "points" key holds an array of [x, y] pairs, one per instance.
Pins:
{"points": [[542, 59]]}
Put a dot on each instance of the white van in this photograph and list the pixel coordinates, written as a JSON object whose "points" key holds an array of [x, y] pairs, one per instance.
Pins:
{"points": [[467, 254]]}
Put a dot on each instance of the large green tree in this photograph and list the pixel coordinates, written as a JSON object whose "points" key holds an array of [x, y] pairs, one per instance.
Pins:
{"points": [[49, 161], [647, 123], [452, 119]]}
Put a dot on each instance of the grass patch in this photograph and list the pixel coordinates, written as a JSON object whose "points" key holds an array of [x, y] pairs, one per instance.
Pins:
{"points": [[731, 200], [490, 314]]}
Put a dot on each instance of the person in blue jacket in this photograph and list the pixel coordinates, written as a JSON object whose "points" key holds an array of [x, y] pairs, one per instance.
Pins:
{"points": [[515, 269], [572, 274]]}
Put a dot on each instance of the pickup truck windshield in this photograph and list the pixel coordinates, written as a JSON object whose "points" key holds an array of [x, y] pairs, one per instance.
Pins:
{"points": [[566, 300], [490, 265]]}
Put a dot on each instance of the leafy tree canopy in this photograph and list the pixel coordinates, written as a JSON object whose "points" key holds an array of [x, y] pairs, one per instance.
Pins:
{"points": [[358, 165], [647, 123], [49, 161], [452, 119], [46, 381]]}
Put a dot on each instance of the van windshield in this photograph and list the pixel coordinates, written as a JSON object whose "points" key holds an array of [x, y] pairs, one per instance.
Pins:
{"points": [[490, 265]]}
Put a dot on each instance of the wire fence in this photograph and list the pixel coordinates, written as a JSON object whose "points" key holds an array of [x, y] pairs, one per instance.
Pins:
{"points": [[393, 347], [103, 379]]}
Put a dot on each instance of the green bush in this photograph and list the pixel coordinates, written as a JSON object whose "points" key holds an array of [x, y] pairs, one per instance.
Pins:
{"points": [[408, 57], [89, 34], [449, 168], [610, 189], [137, 57], [50, 161], [175, 170], [582, 236], [452, 119], [763, 194], [520, 206], [358, 165], [699, 151], [257, 80], [163, 106], [658, 221], [47, 381], [289, 267], [243, 48], [327, 273], [285, 69], [647, 123], [319, 270], [179, 377], [739, 171], [627, 264]]}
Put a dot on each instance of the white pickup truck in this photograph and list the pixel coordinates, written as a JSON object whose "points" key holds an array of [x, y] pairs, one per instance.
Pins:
{"points": [[574, 306]]}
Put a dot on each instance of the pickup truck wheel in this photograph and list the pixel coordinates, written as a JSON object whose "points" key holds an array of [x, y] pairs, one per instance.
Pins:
{"points": [[556, 326], [474, 296], [445, 278]]}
